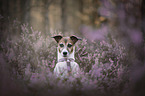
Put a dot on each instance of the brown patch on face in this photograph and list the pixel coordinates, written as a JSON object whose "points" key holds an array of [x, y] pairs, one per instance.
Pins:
{"points": [[70, 45], [66, 42], [71, 50], [60, 50]]}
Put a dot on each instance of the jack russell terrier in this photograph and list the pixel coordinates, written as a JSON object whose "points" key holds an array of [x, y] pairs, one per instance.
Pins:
{"points": [[66, 65]]}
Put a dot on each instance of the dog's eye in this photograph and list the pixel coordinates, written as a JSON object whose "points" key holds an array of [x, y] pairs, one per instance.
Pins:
{"points": [[69, 45], [61, 45]]}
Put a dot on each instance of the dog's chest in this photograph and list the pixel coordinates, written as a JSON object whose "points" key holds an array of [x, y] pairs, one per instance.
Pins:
{"points": [[64, 65], [61, 69]]}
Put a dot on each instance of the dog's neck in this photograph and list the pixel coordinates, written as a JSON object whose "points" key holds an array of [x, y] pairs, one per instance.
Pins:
{"points": [[71, 56]]}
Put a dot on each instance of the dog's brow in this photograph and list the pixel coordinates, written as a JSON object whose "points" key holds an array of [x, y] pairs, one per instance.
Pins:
{"points": [[65, 40]]}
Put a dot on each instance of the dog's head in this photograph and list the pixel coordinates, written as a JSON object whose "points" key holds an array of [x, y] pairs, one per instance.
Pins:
{"points": [[66, 44]]}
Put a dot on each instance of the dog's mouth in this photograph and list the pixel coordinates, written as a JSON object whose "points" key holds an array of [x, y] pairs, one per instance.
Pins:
{"points": [[64, 55]]}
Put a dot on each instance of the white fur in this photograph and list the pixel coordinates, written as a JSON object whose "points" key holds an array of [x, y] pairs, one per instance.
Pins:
{"points": [[65, 50], [60, 55], [60, 69]]}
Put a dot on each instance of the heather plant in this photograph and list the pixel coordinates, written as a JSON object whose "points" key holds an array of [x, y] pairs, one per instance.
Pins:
{"points": [[32, 58], [104, 65], [109, 57]]}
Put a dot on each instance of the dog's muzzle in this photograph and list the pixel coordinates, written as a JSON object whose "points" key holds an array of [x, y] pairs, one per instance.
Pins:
{"points": [[64, 54]]}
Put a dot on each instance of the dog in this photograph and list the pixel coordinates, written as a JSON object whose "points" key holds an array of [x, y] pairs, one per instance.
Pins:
{"points": [[66, 65]]}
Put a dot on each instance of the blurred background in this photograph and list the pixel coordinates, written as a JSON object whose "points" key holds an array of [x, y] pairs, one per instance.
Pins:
{"points": [[94, 20], [46, 15], [69, 15]]}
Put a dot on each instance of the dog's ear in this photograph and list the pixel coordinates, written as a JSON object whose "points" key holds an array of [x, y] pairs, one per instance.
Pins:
{"points": [[74, 39], [57, 38]]}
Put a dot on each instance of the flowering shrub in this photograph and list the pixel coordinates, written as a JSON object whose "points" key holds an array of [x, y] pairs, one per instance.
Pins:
{"points": [[32, 58], [107, 67]]}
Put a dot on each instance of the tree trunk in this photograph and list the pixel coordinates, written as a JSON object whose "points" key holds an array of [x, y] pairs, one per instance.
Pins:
{"points": [[46, 21], [63, 15], [143, 18], [143, 30], [26, 11]]}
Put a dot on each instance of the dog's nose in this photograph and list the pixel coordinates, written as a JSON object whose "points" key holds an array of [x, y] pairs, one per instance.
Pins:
{"points": [[64, 53]]}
